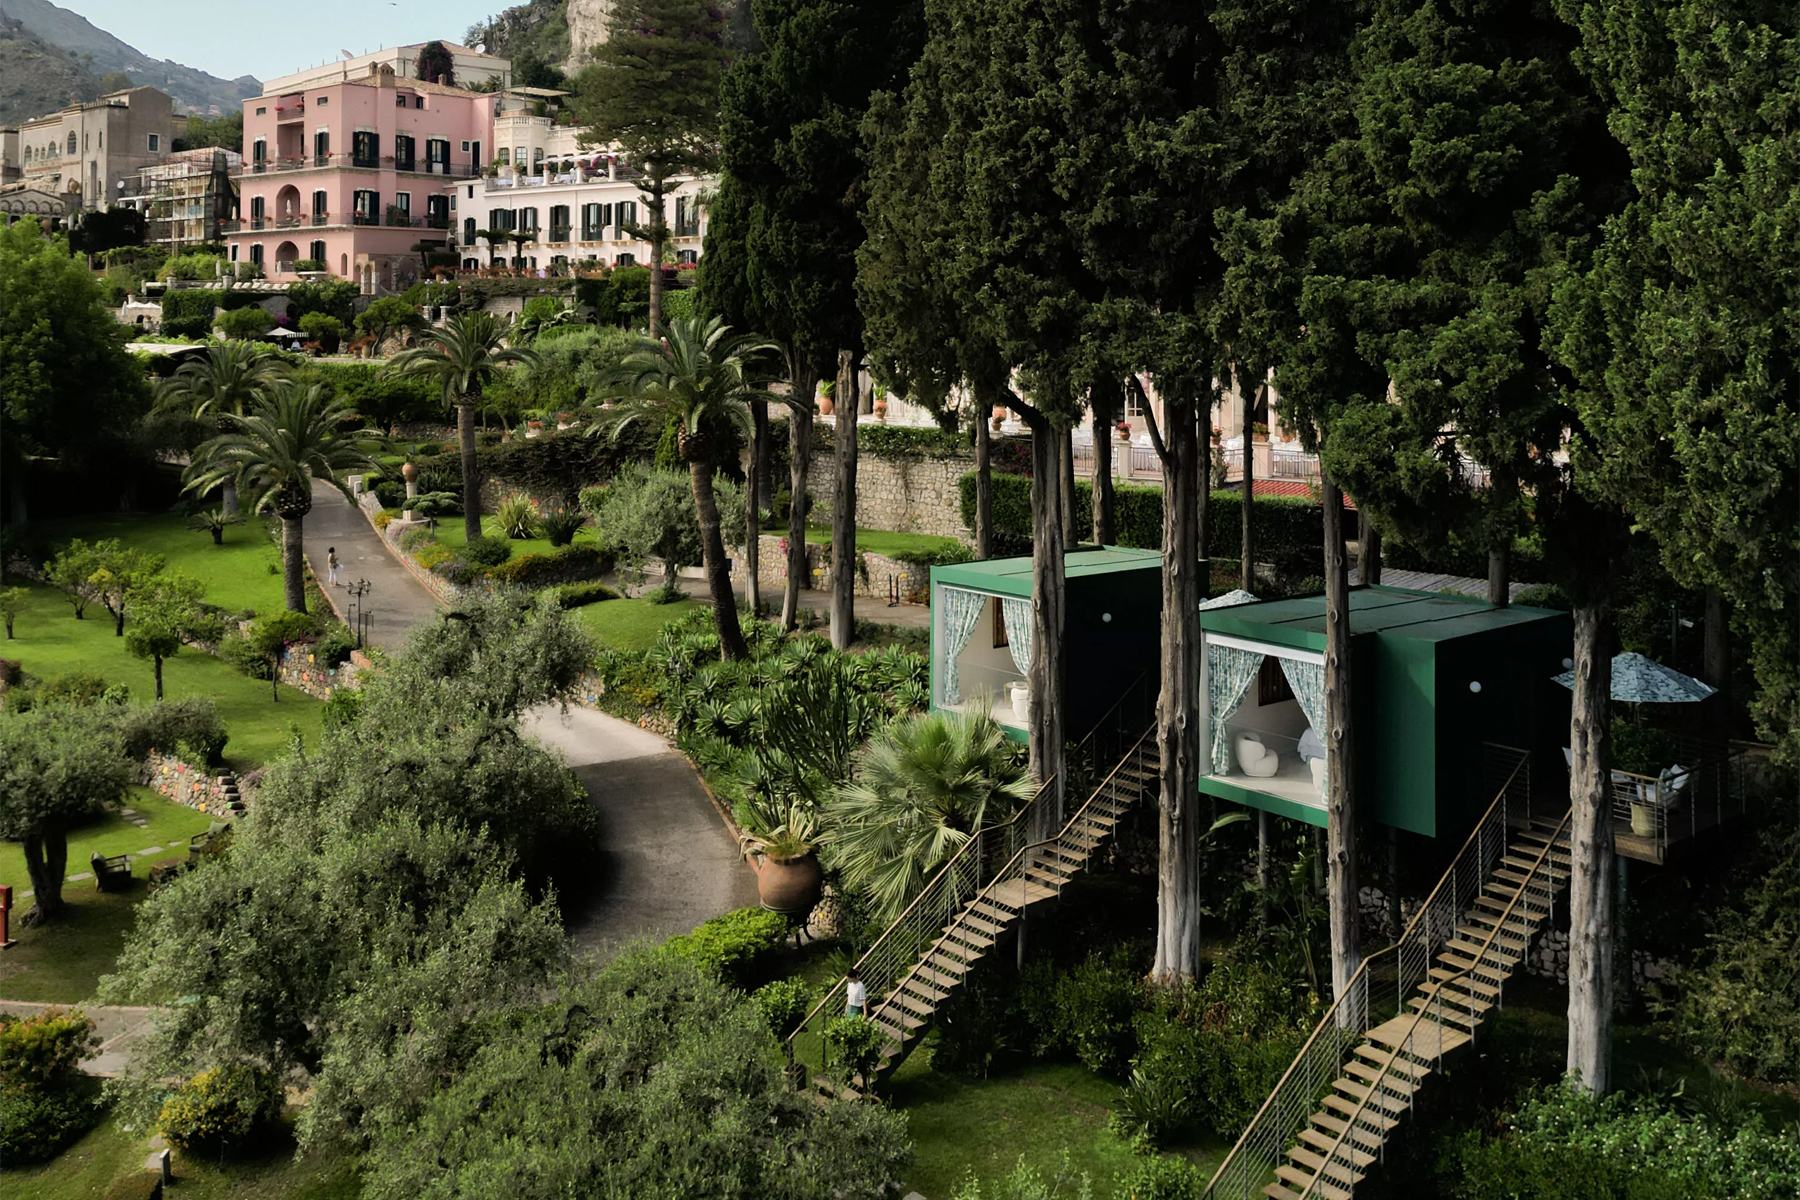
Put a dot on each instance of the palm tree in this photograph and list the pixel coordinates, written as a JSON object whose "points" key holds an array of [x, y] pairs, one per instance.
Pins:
{"points": [[295, 435], [699, 374], [230, 381], [493, 238], [923, 786], [520, 241], [462, 358]]}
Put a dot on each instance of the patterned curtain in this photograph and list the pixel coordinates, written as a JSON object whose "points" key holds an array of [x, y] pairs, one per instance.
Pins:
{"points": [[1229, 674], [962, 613], [1308, 681], [1018, 632]]}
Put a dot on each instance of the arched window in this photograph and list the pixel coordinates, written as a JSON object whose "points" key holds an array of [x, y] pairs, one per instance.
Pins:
{"points": [[71, 141]]}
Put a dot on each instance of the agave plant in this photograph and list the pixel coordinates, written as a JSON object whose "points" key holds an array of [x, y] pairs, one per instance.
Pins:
{"points": [[517, 517], [779, 829]]}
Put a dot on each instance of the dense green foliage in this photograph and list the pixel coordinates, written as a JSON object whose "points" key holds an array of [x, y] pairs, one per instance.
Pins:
{"points": [[67, 386], [651, 1078], [649, 514], [1681, 332], [220, 1108], [1740, 1005], [737, 946], [1567, 1146], [1286, 528], [59, 766], [379, 900], [44, 1102]]}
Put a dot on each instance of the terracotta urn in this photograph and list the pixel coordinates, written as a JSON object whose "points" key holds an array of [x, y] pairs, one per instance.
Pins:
{"points": [[409, 472], [790, 886], [825, 406]]}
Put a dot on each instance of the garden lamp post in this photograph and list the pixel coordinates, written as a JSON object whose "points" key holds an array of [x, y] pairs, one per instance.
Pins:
{"points": [[358, 606], [410, 473]]}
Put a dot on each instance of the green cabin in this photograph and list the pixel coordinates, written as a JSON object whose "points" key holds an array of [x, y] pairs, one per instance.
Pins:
{"points": [[1436, 679], [981, 633]]}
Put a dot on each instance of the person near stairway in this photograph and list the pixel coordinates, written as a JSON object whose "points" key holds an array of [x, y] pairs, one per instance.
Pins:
{"points": [[856, 995]]}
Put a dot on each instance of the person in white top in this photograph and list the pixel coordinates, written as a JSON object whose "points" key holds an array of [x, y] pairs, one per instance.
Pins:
{"points": [[856, 996]]}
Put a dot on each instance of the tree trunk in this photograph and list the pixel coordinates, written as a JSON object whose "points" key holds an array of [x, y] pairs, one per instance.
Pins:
{"points": [[118, 616], [843, 507], [984, 480], [753, 476], [46, 861], [800, 431], [1106, 408], [657, 202], [1500, 538], [228, 498], [1716, 657], [1177, 730], [156, 662], [1247, 546], [1371, 551], [1340, 803], [293, 563], [465, 436], [1203, 500], [718, 570], [218, 535], [1047, 605], [1065, 455], [1592, 904]]}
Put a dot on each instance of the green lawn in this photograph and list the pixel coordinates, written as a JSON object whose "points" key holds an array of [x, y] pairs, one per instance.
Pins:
{"points": [[886, 542], [86, 1169], [50, 641], [631, 624], [63, 962], [244, 573], [960, 1123]]}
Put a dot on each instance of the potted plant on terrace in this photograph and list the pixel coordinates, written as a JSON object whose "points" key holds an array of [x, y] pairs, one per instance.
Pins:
{"points": [[1123, 429], [779, 839]]}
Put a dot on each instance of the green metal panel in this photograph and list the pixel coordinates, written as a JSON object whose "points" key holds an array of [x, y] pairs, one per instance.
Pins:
{"points": [[1393, 683], [1226, 790]]}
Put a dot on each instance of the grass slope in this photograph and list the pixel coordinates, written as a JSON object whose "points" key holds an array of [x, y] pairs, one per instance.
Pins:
{"points": [[631, 624], [63, 962], [49, 641], [89, 1167], [961, 1124], [244, 573], [886, 542]]}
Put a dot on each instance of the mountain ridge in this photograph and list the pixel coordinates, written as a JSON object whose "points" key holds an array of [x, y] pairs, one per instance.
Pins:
{"points": [[99, 52]]}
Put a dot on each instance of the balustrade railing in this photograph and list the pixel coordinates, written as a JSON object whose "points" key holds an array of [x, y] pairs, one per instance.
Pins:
{"points": [[990, 855], [1704, 790], [1368, 999]]}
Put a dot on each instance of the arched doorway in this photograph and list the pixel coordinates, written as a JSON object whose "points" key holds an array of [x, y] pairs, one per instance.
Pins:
{"points": [[285, 255], [287, 204]]}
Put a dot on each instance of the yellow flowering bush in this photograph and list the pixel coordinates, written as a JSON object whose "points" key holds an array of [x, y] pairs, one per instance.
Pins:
{"points": [[219, 1107]]}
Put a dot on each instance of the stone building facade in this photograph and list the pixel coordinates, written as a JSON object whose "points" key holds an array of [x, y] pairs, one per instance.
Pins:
{"points": [[906, 495]]}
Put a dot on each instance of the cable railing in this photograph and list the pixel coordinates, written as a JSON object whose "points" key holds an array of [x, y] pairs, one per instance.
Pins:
{"points": [[1536, 897], [1291, 1104], [981, 861]]}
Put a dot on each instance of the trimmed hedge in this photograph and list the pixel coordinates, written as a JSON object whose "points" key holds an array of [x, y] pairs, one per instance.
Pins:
{"points": [[188, 312], [1290, 531], [571, 564], [735, 945], [556, 464], [904, 441]]}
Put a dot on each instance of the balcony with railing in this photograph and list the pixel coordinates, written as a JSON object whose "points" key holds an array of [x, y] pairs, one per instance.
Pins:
{"points": [[315, 162]]}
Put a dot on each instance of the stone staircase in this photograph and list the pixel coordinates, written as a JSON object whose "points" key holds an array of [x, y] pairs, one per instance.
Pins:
{"points": [[928, 956], [1464, 983], [229, 797]]}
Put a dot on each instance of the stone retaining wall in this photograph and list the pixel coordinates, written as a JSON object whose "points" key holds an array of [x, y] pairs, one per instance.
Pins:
{"points": [[186, 784], [318, 680], [884, 574], [905, 495]]}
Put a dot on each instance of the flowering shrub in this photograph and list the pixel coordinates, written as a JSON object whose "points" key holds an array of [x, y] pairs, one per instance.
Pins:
{"points": [[41, 1052], [219, 1108]]}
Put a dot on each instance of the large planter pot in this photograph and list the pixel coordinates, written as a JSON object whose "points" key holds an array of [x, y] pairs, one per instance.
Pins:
{"points": [[1643, 820], [790, 886]]}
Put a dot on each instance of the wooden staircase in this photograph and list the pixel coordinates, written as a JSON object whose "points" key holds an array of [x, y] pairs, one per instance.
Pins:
{"points": [[1386, 1068], [1035, 872]]}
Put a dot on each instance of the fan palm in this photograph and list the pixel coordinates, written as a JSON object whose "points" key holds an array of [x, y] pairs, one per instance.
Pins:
{"points": [[702, 376], [923, 786], [462, 358], [294, 436], [228, 382], [493, 238]]}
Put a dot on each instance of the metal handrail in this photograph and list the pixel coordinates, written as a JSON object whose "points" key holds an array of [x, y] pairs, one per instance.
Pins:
{"points": [[972, 845], [1419, 1014], [1003, 874], [1337, 1019]]}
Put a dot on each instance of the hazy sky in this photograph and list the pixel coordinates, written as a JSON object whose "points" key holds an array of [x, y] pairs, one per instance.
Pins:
{"points": [[229, 38]]}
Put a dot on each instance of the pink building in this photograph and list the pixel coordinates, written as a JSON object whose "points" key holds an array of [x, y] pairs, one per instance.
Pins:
{"points": [[351, 174]]}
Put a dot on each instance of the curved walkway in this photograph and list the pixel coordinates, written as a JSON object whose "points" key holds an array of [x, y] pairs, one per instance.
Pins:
{"points": [[396, 602], [666, 862]]}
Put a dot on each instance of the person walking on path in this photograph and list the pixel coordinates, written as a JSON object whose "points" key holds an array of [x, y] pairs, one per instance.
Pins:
{"points": [[856, 996], [333, 565]]}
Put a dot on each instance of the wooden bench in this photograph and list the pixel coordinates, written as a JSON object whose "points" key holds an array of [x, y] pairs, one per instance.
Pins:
{"points": [[111, 874], [216, 838]]}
